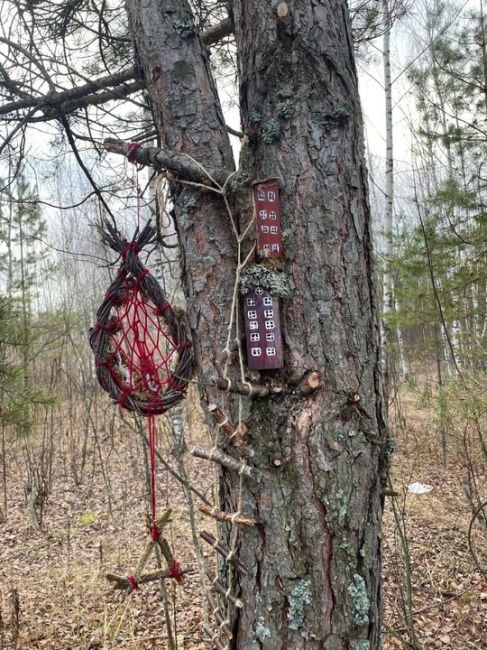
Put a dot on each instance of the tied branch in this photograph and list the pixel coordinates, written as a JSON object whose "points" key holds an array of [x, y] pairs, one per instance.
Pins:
{"points": [[213, 636], [236, 433], [221, 621], [222, 549], [232, 517], [241, 388], [160, 574], [161, 159], [220, 589]]}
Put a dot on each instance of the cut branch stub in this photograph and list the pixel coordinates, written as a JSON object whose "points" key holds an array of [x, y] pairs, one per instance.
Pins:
{"points": [[310, 382]]}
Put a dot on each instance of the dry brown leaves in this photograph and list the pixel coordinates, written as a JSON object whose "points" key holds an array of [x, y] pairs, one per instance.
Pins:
{"points": [[53, 593], [449, 594]]}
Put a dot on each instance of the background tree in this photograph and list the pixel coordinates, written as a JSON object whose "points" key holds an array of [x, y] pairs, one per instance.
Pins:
{"points": [[449, 82], [23, 265]]}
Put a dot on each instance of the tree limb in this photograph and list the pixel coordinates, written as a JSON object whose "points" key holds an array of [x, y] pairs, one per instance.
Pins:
{"points": [[73, 94], [86, 171], [218, 32], [162, 159], [87, 94]]}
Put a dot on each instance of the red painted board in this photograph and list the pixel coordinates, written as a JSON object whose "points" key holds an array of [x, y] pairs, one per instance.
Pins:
{"points": [[268, 218], [262, 330]]}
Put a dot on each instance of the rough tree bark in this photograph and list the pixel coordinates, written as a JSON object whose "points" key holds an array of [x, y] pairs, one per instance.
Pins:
{"points": [[313, 561]]}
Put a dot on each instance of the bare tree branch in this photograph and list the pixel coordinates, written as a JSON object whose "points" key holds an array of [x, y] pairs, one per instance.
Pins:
{"points": [[59, 99], [69, 135], [87, 94]]}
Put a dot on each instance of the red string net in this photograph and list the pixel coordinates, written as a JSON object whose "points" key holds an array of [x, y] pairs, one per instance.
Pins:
{"points": [[143, 355]]}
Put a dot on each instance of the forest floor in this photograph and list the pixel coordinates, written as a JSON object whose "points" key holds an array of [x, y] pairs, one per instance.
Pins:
{"points": [[53, 593]]}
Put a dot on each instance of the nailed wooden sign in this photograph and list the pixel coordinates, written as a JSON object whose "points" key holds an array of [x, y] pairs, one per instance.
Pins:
{"points": [[268, 211], [262, 330]]}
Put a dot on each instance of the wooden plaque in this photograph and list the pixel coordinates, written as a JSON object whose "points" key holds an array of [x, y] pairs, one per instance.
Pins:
{"points": [[262, 330], [268, 212]]}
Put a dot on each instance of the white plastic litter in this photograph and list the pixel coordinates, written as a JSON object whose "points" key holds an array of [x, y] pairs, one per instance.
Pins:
{"points": [[419, 488]]}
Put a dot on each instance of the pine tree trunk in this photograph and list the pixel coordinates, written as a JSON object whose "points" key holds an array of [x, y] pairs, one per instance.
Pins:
{"points": [[313, 561]]}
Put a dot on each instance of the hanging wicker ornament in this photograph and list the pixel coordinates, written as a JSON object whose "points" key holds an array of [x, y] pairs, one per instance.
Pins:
{"points": [[142, 352]]}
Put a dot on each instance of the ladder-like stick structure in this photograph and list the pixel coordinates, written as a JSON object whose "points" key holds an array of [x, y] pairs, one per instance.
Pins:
{"points": [[217, 586], [221, 548]]}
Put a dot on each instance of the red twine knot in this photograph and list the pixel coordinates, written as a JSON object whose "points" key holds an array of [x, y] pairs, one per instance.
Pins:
{"points": [[130, 247], [133, 583], [132, 147], [154, 533], [176, 571]]}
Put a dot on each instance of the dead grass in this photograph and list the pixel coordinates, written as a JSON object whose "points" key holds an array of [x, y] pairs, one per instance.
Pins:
{"points": [[449, 594]]}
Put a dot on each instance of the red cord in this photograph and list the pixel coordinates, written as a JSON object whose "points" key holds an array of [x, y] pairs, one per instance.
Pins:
{"points": [[176, 571]]}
